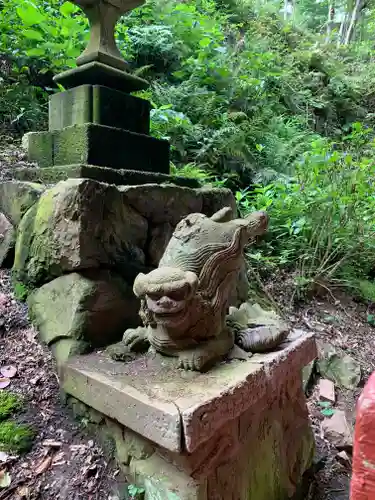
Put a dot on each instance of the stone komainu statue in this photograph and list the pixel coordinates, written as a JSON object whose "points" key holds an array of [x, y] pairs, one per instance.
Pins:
{"points": [[185, 300]]}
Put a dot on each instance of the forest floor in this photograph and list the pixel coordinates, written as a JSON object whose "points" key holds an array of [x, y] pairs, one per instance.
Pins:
{"points": [[66, 464]]}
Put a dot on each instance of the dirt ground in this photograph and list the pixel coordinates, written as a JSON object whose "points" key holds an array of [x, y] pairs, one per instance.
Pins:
{"points": [[339, 320], [66, 464]]}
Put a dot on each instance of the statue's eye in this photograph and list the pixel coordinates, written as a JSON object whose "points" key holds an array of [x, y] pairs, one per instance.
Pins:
{"points": [[153, 296], [178, 294]]}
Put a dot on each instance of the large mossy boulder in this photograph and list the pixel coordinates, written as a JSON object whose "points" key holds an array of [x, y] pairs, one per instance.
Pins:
{"points": [[79, 224], [79, 311], [17, 197]]}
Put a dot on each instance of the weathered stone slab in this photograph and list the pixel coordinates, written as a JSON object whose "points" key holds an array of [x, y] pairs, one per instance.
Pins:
{"points": [[161, 204], [209, 408], [79, 224], [100, 74], [99, 145], [51, 175], [92, 383], [169, 204], [205, 401], [7, 242], [95, 307], [100, 105], [17, 197]]}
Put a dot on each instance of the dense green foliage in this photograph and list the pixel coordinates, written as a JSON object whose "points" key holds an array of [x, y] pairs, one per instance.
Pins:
{"points": [[270, 108]]}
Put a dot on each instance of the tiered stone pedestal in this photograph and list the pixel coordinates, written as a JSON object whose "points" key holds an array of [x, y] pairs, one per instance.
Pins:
{"points": [[240, 431]]}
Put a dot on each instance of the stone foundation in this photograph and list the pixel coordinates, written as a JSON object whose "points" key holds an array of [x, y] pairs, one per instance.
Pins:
{"points": [[79, 246], [240, 431]]}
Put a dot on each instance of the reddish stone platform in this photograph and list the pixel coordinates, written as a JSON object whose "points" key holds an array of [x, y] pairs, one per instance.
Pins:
{"points": [[243, 419]]}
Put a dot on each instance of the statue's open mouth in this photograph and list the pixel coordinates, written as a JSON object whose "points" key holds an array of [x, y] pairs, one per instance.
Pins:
{"points": [[166, 307]]}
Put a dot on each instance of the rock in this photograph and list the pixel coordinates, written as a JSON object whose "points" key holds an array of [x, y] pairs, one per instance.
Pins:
{"points": [[213, 199], [256, 329], [170, 203], [307, 373], [160, 236], [163, 203], [79, 224], [337, 430], [326, 390], [63, 349], [7, 242], [344, 459], [93, 308], [341, 368], [17, 197], [3, 303]]}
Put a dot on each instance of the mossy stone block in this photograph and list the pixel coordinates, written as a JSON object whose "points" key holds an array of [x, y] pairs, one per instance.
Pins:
{"points": [[110, 147], [40, 148], [99, 105], [118, 177], [69, 230]]}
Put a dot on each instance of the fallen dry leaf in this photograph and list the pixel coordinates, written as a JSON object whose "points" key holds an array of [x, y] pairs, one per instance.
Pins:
{"points": [[43, 466], [4, 382], [5, 479], [23, 492], [8, 371]]}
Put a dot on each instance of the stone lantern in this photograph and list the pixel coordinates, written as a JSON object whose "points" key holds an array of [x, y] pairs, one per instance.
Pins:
{"points": [[97, 129]]}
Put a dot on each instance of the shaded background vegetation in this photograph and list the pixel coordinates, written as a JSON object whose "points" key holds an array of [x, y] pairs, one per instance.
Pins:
{"points": [[272, 99]]}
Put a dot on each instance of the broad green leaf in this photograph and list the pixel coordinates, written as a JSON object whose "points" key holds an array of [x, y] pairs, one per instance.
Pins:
{"points": [[67, 8], [205, 42], [35, 52], [30, 15], [33, 34]]}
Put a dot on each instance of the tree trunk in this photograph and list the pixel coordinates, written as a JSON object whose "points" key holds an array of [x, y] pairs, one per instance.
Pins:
{"points": [[353, 21], [330, 21]]}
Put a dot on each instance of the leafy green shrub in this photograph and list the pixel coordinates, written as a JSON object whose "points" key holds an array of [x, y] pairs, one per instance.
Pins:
{"points": [[322, 219]]}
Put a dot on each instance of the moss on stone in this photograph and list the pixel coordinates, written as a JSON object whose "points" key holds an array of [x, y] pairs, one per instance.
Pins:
{"points": [[16, 438], [9, 403], [35, 221]]}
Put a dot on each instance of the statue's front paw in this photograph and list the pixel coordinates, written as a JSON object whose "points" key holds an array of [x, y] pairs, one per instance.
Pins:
{"points": [[192, 360], [136, 339]]}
